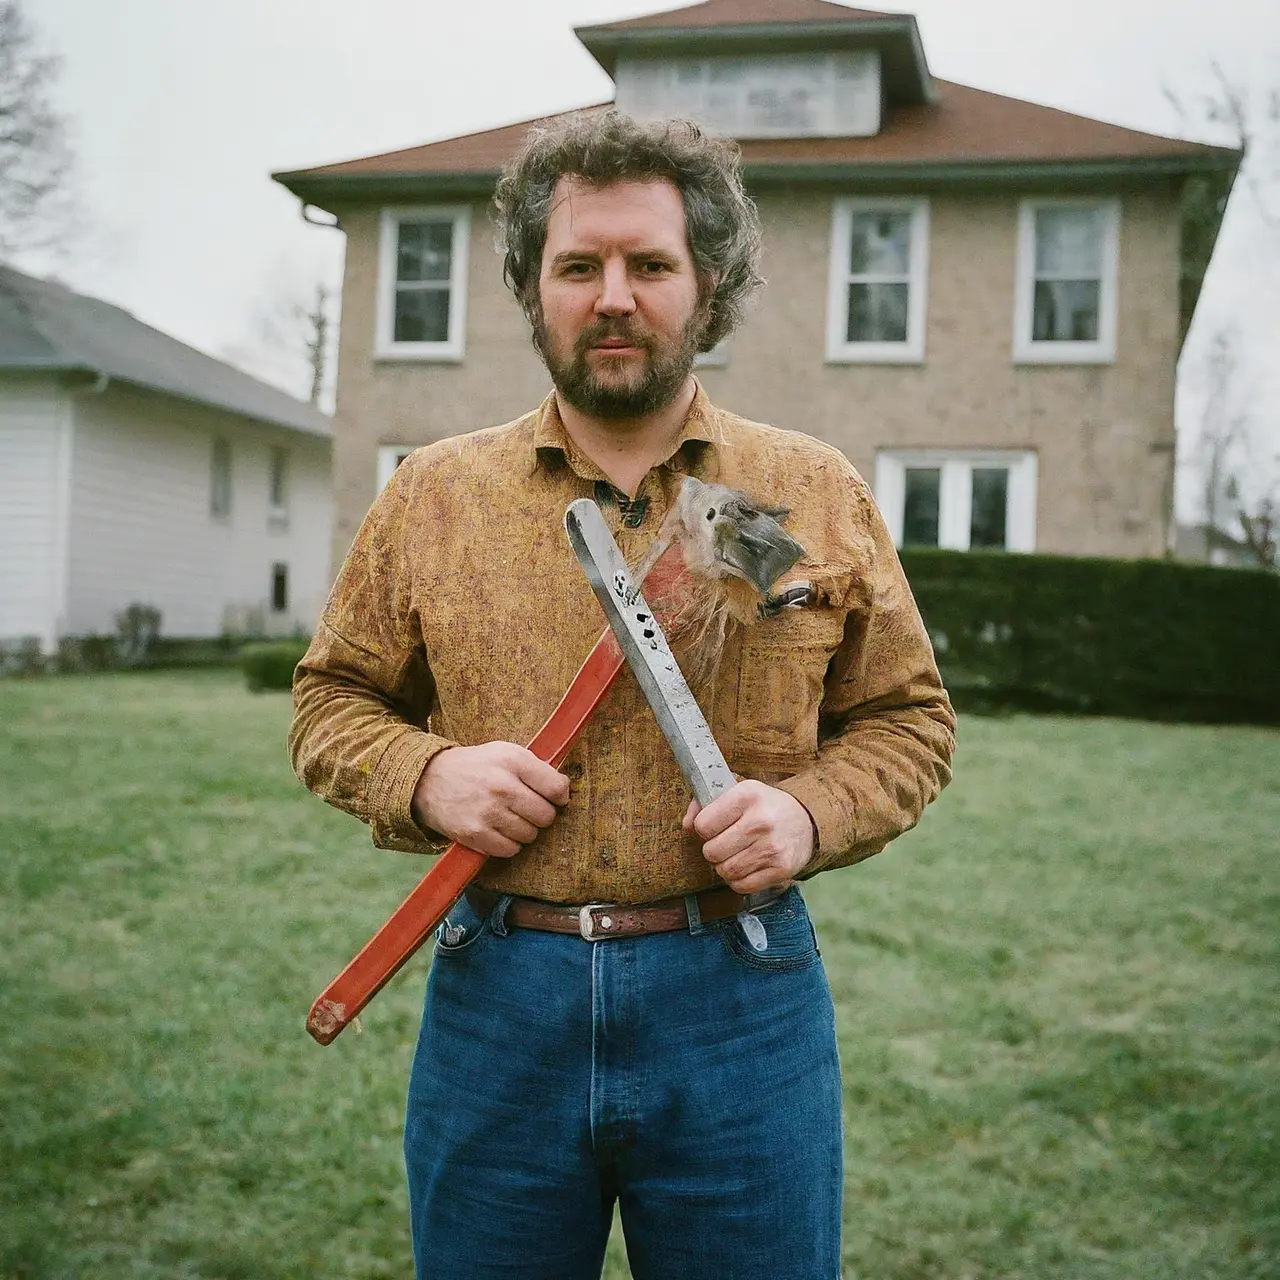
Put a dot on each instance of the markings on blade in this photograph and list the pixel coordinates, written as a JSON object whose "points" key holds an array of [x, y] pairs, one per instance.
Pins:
{"points": [[755, 931]]}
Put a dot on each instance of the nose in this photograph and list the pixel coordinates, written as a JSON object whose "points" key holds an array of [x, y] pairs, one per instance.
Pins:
{"points": [[616, 298]]}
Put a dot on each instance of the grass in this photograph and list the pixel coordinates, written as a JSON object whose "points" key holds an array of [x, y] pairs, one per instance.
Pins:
{"points": [[1057, 1004]]}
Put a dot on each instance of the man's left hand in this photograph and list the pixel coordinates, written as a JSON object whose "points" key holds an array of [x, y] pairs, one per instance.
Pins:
{"points": [[755, 836]]}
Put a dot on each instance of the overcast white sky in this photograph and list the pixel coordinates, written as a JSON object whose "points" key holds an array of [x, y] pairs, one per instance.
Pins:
{"points": [[181, 109]]}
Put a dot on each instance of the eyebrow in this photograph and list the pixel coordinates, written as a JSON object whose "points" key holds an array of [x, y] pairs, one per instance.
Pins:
{"points": [[586, 255]]}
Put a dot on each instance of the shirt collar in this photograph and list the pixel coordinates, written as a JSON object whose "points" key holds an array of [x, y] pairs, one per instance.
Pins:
{"points": [[552, 444]]}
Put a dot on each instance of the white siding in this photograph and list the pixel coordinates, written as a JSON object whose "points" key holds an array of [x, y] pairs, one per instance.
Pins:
{"points": [[142, 531], [34, 425]]}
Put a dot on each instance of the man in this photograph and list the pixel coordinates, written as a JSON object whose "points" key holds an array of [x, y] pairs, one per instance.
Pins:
{"points": [[687, 1070]]}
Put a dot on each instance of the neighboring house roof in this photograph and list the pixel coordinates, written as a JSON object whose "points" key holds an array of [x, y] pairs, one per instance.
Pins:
{"points": [[969, 134], [45, 326]]}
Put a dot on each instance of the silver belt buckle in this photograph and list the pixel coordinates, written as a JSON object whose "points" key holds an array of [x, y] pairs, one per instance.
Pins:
{"points": [[587, 925]]}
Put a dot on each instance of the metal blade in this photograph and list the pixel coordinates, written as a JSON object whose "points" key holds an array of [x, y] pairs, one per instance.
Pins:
{"points": [[647, 653]]}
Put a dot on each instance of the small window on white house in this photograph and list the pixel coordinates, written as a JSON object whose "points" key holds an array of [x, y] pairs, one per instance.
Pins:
{"points": [[220, 480], [968, 500], [878, 281], [278, 482], [422, 280], [1068, 254], [279, 588], [390, 456]]}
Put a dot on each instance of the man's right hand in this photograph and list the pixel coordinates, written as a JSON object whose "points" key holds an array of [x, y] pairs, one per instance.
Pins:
{"points": [[493, 798]]}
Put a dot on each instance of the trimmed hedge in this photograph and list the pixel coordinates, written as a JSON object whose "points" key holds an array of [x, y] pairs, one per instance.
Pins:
{"points": [[270, 664], [1153, 639]]}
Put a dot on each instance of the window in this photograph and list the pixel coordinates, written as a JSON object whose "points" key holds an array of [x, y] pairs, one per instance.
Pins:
{"points": [[390, 456], [879, 274], [966, 501], [778, 95], [279, 588], [220, 480], [1065, 309], [422, 273], [277, 482]]}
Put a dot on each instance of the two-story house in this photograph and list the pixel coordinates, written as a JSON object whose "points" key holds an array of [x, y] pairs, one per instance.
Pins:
{"points": [[980, 300]]}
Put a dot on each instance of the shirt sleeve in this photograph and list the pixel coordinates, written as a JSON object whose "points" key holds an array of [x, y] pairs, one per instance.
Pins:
{"points": [[363, 692], [886, 727]]}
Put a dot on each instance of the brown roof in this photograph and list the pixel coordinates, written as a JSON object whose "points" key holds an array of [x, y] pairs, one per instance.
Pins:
{"points": [[736, 13], [966, 128]]}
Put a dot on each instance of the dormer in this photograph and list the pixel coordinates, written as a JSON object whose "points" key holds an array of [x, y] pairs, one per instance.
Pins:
{"points": [[766, 68]]}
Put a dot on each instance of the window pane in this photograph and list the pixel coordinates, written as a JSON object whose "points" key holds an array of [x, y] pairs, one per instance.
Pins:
{"points": [[880, 243], [422, 315], [1065, 311], [1069, 242], [920, 507], [877, 313], [220, 479], [987, 520], [279, 588], [278, 457], [424, 251]]}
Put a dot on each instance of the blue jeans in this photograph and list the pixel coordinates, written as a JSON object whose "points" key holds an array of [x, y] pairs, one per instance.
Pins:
{"points": [[690, 1076]]}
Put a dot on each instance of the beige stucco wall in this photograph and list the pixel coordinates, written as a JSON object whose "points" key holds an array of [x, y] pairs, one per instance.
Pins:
{"points": [[1103, 433]]}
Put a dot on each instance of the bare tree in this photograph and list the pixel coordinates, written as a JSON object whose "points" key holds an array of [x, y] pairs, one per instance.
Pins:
{"points": [[37, 206], [293, 341], [1262, 530], [1224, 428]]}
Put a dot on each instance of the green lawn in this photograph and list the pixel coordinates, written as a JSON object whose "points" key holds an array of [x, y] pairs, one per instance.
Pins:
{"points": [[1058, 1004]]}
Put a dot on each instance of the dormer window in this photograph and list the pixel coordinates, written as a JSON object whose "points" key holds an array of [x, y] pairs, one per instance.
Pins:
{"points": [[783, 95]]}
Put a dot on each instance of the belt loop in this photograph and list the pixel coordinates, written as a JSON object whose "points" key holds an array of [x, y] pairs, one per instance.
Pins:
{"points": [[694, 912], [498, 916]]}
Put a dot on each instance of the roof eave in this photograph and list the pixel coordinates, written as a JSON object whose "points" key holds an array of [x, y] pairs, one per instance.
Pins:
{"points": [[331, 191], [605, 44]]}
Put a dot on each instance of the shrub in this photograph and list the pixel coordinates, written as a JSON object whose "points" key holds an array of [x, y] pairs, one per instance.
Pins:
{"points": [[270, 664], [1148, 638]]}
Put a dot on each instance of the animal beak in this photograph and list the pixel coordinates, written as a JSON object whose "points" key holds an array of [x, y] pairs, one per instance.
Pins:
{"points": [[757, 547]]}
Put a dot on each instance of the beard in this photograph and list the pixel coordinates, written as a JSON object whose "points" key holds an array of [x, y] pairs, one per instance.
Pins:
{"points": [[613, 391]]}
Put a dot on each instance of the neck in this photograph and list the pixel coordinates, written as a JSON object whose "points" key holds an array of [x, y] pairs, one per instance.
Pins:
{"points": [[626, 448]]}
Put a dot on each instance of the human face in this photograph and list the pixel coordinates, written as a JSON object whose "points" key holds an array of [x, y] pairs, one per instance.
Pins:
{"points": [[619, 316]]}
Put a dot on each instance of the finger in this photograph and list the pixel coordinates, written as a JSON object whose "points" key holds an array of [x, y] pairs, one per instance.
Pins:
{"points": [[756, 881], [538, 775], [729, 844], [530, 806], [724, 810], [493, 844], [689, 814], [513, 826]]}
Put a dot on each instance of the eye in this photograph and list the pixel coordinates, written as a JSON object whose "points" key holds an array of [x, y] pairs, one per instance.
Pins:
{"points": [[711, 515], [654, 268]]}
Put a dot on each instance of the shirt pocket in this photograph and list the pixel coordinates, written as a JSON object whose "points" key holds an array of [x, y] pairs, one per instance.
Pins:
{"points": [[780, 683]]}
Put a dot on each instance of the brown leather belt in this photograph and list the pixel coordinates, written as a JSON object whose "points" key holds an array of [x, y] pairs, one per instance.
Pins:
{"points": [[600, 921]]}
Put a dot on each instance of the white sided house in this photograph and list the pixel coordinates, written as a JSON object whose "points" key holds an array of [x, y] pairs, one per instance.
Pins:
{"points": [[137, 470]]}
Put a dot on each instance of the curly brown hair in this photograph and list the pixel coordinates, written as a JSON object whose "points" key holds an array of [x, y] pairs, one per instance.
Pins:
{"points": [[602, 148]]}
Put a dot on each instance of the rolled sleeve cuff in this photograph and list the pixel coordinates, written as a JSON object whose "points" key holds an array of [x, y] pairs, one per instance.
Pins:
{"points": [[391, 794]]}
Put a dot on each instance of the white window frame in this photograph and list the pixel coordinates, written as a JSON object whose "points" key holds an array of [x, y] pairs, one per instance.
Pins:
{"points": [[385, 346], [841, 351], [389, 458], [1101, 351], [955, 496]]}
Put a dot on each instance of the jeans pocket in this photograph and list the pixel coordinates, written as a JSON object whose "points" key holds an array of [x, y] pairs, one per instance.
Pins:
{"points": [[781, 940], [461, 929]]}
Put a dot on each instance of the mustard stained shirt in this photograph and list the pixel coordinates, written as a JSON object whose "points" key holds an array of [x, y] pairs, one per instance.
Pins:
{"points": [[461, 615]]}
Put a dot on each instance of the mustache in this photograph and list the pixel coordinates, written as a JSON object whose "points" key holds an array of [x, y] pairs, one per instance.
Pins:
{"points": [[617, 328]]}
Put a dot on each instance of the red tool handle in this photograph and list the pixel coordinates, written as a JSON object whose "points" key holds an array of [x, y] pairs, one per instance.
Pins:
{"points": [[417, 916]]}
